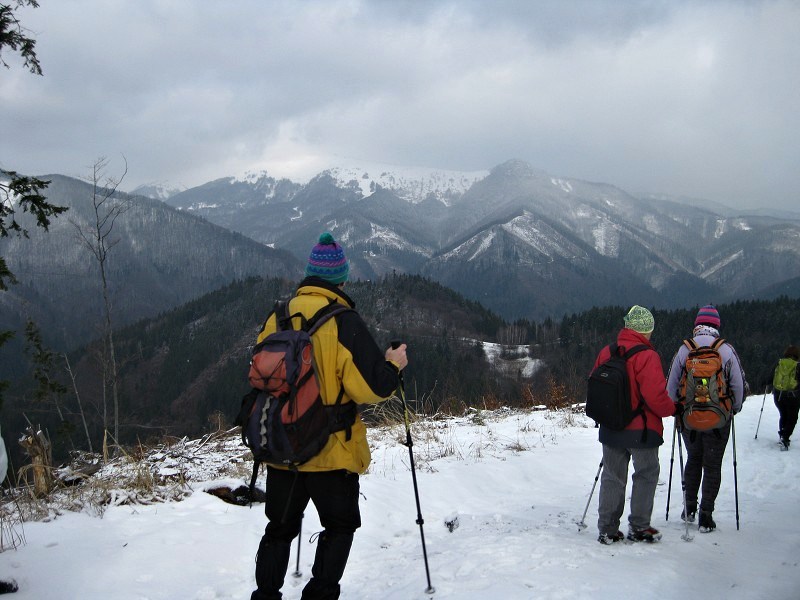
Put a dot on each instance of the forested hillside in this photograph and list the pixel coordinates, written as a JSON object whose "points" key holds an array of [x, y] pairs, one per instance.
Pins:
{"points": [[158, 258], [759, 330], [184, 372], [189, 365]]}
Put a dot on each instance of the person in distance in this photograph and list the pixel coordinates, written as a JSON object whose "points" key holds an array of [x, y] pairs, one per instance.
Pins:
{"points": [[786, 394]]}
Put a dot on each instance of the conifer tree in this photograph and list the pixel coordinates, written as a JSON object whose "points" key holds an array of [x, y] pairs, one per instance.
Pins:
{"points": [[19, 193]]}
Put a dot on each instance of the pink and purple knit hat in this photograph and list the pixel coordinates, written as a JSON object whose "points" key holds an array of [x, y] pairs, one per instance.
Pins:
{"points": [[327, 261], [708, 315]]}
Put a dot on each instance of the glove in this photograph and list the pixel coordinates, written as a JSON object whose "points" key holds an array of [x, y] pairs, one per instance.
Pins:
{"points": [[678, 410]]}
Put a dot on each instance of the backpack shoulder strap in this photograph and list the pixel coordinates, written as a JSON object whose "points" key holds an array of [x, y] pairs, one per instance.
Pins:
{"points": [[636, 349], [640, 408], [614, 349], [325, 313], [309, 325], [282, 319], [690, 344], [717, 343], [319, 318]]}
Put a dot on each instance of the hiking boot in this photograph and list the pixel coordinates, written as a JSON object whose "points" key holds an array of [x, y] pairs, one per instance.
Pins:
{"points": [[611, 538], [784, 444], [650, 534], [8, 587], [706, 523]]}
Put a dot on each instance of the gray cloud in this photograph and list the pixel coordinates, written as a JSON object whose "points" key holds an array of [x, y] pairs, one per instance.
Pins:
{"points": [[692, 98]]}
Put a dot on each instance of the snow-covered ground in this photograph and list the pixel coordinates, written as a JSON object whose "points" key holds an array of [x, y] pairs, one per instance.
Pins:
{"points": [[517, 483]]}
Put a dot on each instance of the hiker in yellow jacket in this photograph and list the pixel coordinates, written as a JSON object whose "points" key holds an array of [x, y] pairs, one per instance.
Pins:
{"points": [[348, 362]]}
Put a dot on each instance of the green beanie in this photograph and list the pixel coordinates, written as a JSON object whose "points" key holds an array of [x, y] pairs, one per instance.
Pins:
{"points": [[640, 319]]}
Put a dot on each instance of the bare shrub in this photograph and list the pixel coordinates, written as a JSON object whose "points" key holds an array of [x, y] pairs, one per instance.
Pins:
{"points": [[12, 530], [491, 402], [139, 475]]}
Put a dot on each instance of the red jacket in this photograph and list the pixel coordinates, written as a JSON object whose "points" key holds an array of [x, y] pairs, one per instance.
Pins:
{"points": [[647, 381]]}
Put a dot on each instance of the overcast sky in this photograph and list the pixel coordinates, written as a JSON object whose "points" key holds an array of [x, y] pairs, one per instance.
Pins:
{"points": [[697, 98]]}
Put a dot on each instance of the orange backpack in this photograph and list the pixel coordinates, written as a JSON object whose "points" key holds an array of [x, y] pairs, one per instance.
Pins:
{"points": [[703, 389]]}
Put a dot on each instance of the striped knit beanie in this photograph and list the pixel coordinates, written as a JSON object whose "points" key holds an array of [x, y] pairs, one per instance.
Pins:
{"points": [[327, 261], [708, 315], [640, 319]]}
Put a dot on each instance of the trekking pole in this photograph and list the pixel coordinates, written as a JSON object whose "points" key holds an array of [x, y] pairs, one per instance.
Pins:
{"points": [[686, 537], [671, 464], [766, 391], [297, 572], [735, 476], [410, 444], [582, 523]]}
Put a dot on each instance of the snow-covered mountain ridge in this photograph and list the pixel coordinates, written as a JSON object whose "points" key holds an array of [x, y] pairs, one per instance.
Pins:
{"points": [[465, 229], [408, 183]]}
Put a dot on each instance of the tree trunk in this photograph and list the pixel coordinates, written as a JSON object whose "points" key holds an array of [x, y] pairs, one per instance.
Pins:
{"points": [[80, 406], [37, 446]]}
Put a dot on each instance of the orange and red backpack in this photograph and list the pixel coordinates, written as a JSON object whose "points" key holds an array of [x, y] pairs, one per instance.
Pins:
{"points": [[703, 388]]}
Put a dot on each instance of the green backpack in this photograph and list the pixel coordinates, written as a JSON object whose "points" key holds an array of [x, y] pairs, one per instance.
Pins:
{"points": [[785, 378]]}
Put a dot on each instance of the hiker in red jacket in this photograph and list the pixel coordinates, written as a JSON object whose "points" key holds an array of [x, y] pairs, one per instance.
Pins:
{"points": [[638, 441]]}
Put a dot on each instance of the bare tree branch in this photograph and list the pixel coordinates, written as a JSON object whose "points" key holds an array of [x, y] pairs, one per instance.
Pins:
{"points": [[108, 207]]}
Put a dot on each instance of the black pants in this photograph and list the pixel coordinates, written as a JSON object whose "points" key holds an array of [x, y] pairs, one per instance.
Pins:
{"points": [[335, 496], [788, 404], [704, 450]]}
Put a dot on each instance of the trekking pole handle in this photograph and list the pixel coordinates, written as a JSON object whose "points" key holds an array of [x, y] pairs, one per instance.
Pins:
{"points": [[395, 344]]}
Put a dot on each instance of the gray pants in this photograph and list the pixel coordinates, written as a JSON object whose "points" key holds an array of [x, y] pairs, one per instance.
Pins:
{"points": [[614, 481]]}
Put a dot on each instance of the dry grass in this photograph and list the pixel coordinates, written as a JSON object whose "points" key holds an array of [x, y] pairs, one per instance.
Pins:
{"points": [[165, 472], [12, 528], [137, 476]]}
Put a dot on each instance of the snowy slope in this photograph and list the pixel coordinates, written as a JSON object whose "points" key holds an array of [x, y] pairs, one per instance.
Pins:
{"points": [[516, 482]]}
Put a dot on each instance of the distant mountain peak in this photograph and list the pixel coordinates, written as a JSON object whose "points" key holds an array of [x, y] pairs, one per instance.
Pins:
{"points": [[256, 177], [158, 191], [413, 184], [518, 168]]}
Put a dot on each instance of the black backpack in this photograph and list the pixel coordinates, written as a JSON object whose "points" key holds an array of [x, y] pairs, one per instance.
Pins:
{"points": [[283, 419], [608, 395]]}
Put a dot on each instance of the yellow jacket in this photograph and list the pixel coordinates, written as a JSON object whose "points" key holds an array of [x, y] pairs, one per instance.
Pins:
{"points": [[347, 357]]}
